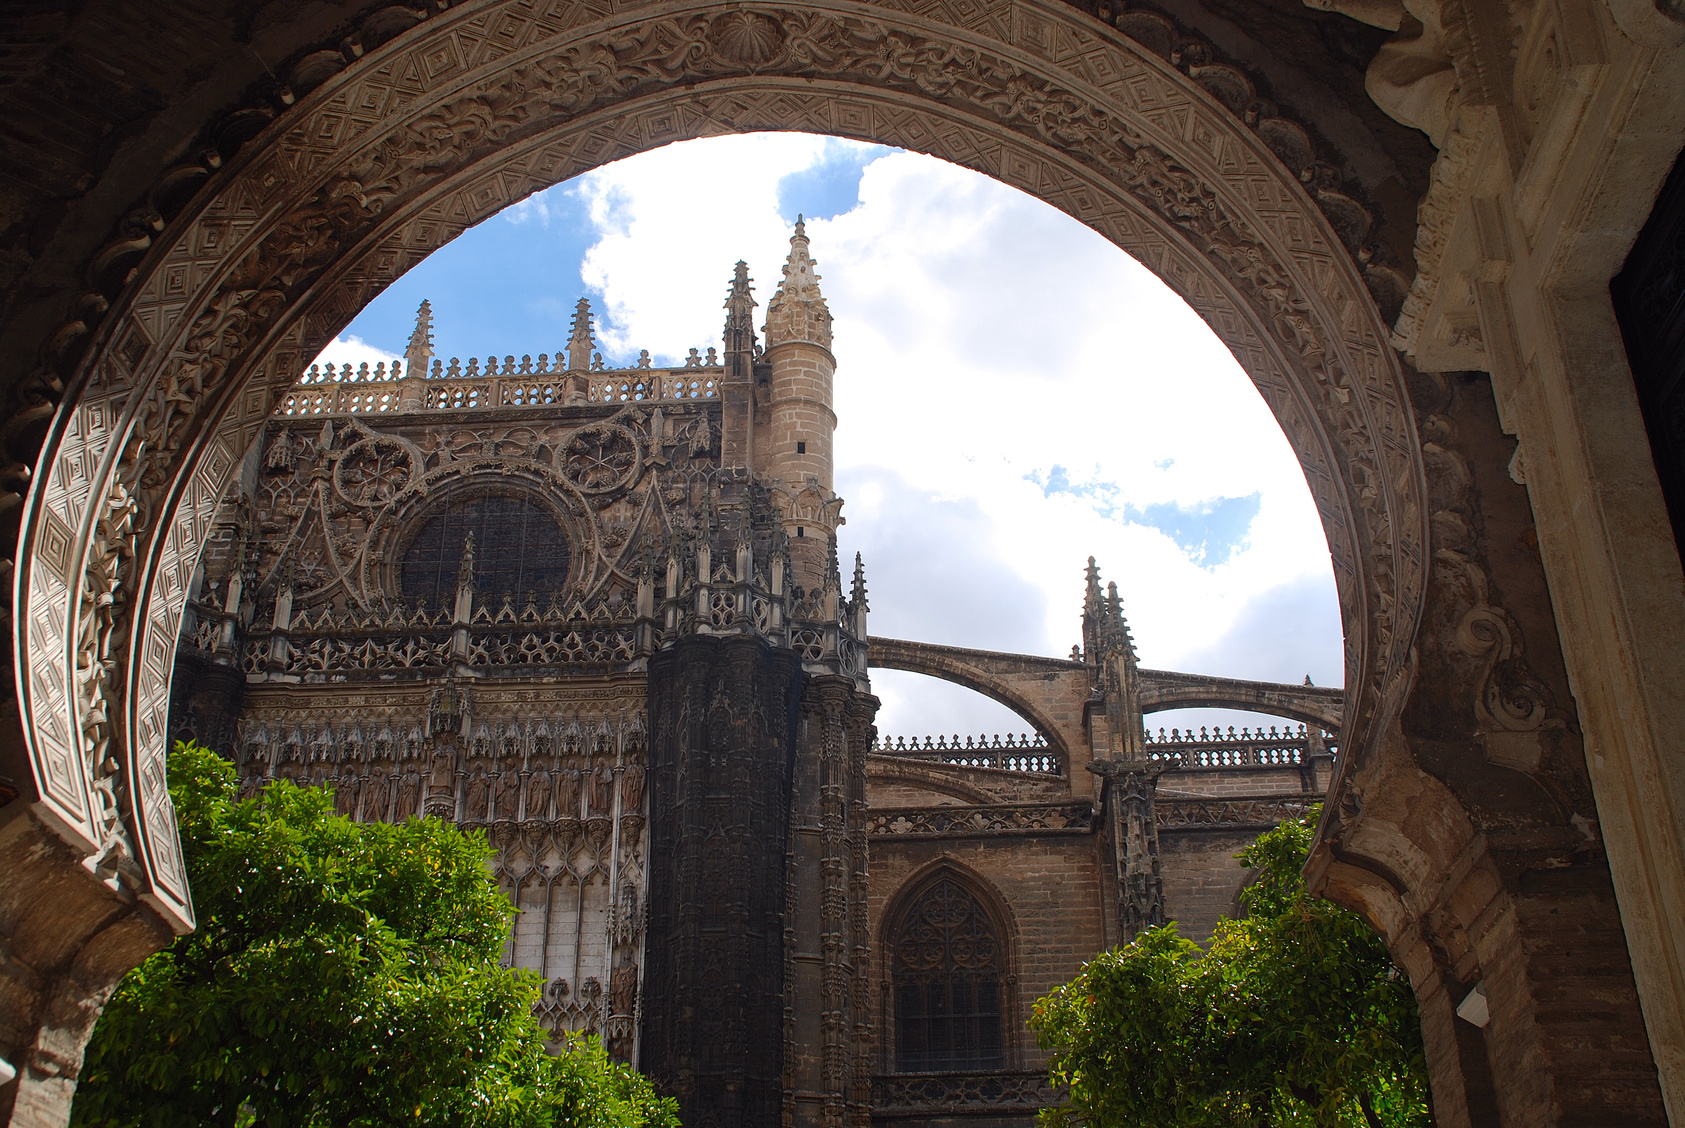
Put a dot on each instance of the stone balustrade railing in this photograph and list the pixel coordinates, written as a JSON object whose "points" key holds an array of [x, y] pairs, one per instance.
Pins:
{"points": [[324, 390], [1288, 747], [1021, 752]]}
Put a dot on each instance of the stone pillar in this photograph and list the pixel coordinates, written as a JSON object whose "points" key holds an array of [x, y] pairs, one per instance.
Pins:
{"points": [[828, 1034], [68, 939], [723, 715], [1471, 838], [1130, 834]]}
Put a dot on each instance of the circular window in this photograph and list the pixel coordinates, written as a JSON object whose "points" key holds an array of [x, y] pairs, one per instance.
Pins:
{"points": [[518, 548]]}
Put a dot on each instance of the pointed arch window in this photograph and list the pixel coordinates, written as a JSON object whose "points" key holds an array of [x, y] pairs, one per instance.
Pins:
{"points": [[949, 966]]}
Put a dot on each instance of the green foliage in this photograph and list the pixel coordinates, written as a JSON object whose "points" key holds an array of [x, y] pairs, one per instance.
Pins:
{"points": [[342, 973], [1294, 1015]]}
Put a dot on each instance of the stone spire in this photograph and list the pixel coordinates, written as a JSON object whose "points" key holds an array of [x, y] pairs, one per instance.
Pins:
{"points": [[739, 338], [1093, 615], [1117, 627], [857, 604], [419, 354], [581, 341], [797, 312]]}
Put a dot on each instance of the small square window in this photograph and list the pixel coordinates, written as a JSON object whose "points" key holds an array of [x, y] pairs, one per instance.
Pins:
{"points": [[801, 448]]}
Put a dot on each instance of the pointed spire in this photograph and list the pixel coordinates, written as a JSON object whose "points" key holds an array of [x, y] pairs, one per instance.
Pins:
{"points": [[580, 339], [833, 570], [419, 355], [1091, 599], [797, 312], [1093, 617], [738, 341], [858, 595], [1117, 627]]}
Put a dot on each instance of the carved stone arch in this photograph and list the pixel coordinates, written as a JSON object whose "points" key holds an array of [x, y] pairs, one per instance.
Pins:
{"points": [[473, 109], [999, 910], [943, 783], [1310, 705], [997, 689]]}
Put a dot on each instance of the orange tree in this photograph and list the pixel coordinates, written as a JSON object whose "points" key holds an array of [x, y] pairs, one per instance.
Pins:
{"points": [[342, 974], [1294, 1015]]}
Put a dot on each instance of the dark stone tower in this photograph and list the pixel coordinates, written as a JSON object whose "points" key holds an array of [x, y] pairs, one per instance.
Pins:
{"points": [[756, 1005], [723, 721]]}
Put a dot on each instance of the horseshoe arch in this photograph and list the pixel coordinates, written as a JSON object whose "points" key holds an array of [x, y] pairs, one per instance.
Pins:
{"points": [[474, 109]]}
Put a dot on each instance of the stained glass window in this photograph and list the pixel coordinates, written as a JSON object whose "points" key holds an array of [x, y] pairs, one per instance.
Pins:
{"points": [[948, 970], [518, 547]]}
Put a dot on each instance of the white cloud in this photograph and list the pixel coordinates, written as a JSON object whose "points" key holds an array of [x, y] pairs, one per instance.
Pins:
{"points": [[984, 338], [356, 352]]}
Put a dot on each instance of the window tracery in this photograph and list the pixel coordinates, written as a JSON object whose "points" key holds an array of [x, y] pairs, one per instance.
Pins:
{"points": [[518, 548], [949, 969]]}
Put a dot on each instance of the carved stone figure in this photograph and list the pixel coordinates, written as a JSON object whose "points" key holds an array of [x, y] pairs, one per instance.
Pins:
{"points": [[474, 810], [508, 792], [632, 788], [623, 989], [345, 794], [409, 796], [538, 795], [567, 793], [602, 791], [442, 779]]}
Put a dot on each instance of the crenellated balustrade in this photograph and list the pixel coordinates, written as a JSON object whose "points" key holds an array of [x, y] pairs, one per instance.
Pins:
{"points": [[1020, 752], [325, 389], [1247, 748]]}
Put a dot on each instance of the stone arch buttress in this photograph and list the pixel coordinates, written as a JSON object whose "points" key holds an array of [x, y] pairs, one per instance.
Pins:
{"points": [[472, 110]]}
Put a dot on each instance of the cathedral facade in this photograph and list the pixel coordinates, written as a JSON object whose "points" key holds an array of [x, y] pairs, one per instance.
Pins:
{"points": [[599, 614]]}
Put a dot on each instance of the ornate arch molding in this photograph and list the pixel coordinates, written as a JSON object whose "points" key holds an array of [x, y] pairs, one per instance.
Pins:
{"points": [[473, 110]]}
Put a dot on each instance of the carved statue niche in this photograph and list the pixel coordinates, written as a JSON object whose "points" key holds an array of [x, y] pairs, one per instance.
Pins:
{"points": [[508, 791], [409, 795], [567, 793], [478, 793], [623, 989], [377, 795], [345, 793], [602, 792], [441, 778], [538, 793], [632, 789]]}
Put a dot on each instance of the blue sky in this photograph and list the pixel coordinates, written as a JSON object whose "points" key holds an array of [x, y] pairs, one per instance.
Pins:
{"points": [[1014, 395]]}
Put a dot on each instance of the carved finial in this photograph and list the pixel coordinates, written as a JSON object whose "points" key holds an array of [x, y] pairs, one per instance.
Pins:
{"points": [[465, 566], [739, 304], [858, 595], [797, 312], [580, 340], [833, 569], [1307, 679], [419, 354]]}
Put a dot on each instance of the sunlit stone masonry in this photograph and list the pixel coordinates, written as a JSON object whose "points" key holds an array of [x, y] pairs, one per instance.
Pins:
{"points": [[598, 613]]}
